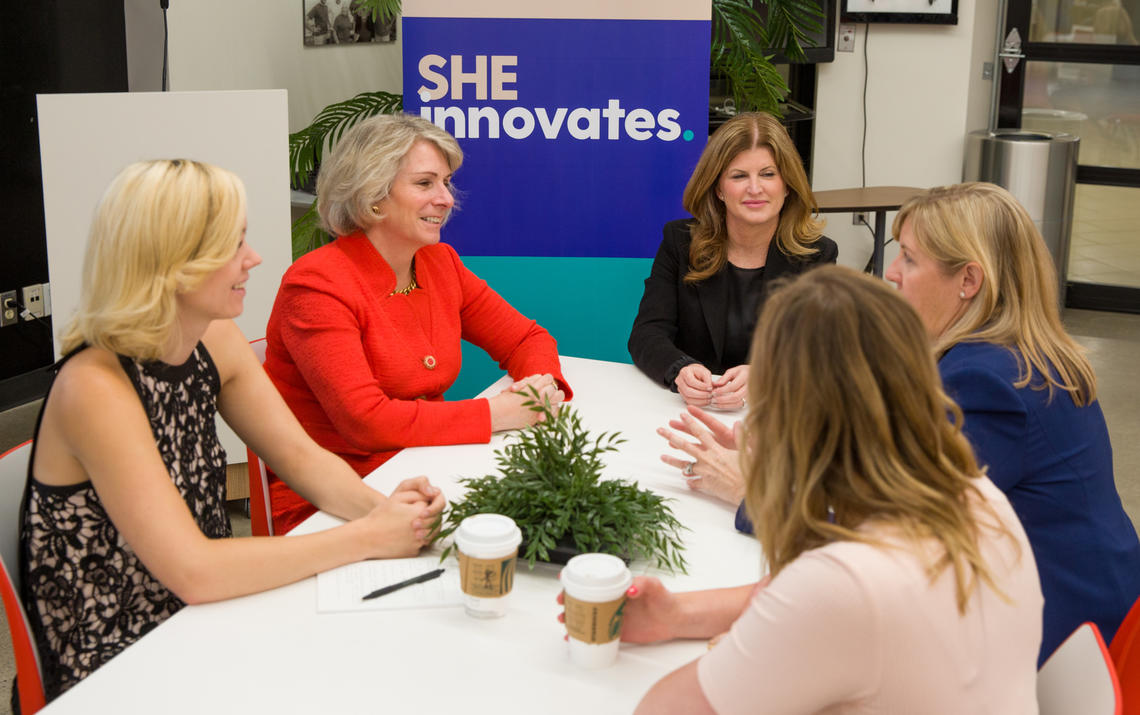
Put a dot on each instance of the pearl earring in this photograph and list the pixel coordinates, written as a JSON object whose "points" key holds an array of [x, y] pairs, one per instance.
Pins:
{"points": [[962, 294]]}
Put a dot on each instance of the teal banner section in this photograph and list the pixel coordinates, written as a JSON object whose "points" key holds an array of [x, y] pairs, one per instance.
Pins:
{"points": [[587, 304]]}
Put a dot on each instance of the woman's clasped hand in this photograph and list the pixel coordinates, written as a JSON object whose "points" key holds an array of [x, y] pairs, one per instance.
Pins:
{"points": [[698, 386], [516, 405], [407, 520]]}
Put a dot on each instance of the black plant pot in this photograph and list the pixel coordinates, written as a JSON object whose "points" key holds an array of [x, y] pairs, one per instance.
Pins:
{"points": [[563, 551]]}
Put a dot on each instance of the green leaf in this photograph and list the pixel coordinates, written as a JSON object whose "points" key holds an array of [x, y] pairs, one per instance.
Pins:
{"points": [[307, 233], [742, 38], [307, 145], [381, 9]]}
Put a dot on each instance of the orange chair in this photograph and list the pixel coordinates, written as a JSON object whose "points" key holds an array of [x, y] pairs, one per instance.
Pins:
{"points": [[13, 476], [260, 509], [1125, 652], [1079, 677]]}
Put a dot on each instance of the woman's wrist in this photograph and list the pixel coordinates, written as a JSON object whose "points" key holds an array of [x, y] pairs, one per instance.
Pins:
{"points": [[494, 405], [704, 614], [356, 542], [675, 370]]}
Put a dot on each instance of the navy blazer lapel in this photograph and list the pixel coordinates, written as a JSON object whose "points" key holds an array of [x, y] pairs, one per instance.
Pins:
{"points": [[713, 293]]}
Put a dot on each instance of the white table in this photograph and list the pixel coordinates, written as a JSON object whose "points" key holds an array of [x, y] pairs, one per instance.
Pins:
{"points": [[272, 652]]}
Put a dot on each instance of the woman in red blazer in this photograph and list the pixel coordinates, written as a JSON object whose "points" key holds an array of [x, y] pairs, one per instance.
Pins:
{"points": [[365, 333]]}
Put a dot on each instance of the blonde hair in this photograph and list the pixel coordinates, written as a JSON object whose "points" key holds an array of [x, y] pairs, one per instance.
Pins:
{"points": [[799, 228], [848, 424], [1017, 304], [161, 227], [359, 171]]}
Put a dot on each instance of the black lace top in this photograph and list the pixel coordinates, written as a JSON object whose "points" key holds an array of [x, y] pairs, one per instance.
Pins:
{"points": [[86, 593]]}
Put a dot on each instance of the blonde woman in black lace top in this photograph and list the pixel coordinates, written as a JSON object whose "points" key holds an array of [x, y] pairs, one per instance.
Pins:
{"points": [[124, 510]]}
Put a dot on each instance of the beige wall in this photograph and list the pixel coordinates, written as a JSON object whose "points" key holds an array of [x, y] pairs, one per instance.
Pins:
{"points": [[925, 93], [256, 44]]}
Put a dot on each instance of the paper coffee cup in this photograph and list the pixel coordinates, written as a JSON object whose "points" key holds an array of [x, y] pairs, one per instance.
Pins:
{"points": [[488, 546], [594, 587]]}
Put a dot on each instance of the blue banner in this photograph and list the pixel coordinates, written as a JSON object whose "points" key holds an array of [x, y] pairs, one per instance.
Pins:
{"points": [[578, 135]]}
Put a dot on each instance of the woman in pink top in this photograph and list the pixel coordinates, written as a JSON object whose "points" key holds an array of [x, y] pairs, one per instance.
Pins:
{"points": [[900, 579]]}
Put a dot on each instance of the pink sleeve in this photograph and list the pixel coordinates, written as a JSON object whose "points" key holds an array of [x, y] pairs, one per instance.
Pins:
{"points": [[521, 346], [805, 642], [323, 336]]}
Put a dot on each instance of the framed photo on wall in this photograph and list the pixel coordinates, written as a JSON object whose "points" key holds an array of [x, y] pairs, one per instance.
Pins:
{"points": [[931, 12], [343, 22]]}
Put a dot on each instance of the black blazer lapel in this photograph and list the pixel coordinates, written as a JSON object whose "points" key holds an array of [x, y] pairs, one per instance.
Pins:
{"points": [[713, 292], [776, 265]]}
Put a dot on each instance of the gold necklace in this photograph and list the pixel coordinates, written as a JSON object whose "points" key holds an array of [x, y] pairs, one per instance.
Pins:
{"points": [[408, 288]]}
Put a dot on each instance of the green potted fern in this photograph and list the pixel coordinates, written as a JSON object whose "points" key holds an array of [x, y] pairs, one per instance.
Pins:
{"points": [[550, 482]]}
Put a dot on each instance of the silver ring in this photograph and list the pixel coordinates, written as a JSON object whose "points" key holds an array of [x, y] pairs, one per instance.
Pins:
{"points": [[688, 469]]}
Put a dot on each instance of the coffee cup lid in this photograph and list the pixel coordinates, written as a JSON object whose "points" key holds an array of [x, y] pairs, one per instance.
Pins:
{"points": [[596, 571], [488, 530]]}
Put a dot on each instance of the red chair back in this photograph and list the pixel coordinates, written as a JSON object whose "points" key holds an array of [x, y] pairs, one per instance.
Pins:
{"points": [[13, 476], [1125, 652]]}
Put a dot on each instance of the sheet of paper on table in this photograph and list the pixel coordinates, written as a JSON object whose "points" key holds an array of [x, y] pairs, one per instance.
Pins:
{"points": [[341, 589]]}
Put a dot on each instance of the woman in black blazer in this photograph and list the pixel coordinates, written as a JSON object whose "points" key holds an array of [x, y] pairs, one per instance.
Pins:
{"points": [[754, 222]]}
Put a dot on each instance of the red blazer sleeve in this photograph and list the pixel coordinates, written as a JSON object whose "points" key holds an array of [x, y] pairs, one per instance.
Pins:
{"points": [[521, 346], [322, 324]]}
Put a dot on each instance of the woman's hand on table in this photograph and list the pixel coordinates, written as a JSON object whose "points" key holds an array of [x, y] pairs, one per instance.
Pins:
{"points": [[715, 465], [417, 490], [730, 389], [509, 409], [397, 527], [695, 385]]}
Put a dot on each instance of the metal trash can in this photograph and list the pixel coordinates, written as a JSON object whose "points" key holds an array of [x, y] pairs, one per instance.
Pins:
{"points": [[1040, 170]]}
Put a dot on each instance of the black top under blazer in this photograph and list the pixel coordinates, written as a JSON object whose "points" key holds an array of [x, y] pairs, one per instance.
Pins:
{"points": [[680, 323]]}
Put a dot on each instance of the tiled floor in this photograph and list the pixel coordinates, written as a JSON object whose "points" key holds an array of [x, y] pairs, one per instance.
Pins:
{"points": [[1105, 245], [1113, 341]]}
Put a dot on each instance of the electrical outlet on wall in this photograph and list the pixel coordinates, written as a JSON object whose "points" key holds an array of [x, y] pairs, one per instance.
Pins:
{"points": [[846, 41], [860, 218], [34, 300], [8, 310]]}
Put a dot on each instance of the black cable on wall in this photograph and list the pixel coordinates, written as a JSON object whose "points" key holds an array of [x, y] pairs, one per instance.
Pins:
{"points": [[164, 4], [866, 73]]}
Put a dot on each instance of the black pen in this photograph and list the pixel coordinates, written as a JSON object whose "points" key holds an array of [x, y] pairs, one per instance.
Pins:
{"points": [[410, 582]]}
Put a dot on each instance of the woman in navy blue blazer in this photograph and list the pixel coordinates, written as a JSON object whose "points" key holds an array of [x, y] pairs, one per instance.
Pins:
{"points": [[753, 222], [975, 267]]}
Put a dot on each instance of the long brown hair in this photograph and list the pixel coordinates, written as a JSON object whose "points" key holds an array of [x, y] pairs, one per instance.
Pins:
{"points": [[798, 229], [1017, 304], [848, 418]]}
